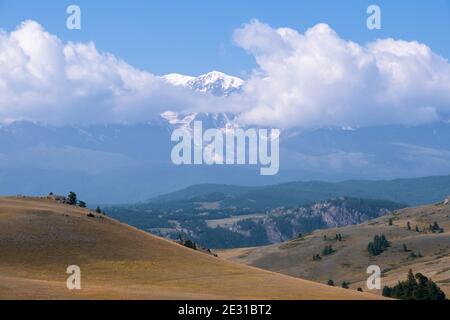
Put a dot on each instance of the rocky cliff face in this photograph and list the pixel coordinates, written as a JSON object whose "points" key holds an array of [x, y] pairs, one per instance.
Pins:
{"points": [[283, 224]]}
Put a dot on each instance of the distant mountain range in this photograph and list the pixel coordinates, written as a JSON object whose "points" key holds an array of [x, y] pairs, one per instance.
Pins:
{"points": [[122, 163], [411, 192]]}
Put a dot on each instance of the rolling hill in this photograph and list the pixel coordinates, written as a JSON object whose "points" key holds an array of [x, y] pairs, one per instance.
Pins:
{"points": [[421, 250], [40, 238], [413, 192]]}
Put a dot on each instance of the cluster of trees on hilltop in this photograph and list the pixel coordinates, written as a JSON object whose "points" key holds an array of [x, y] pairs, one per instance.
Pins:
{"points": [[416, 287], [72, 199], [378, 245]]}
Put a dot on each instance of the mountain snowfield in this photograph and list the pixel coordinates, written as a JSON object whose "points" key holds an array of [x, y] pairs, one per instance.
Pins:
{"points": [[214, 82]]}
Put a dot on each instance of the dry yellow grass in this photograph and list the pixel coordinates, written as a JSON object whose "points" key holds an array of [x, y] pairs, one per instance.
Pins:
{"points": [[350, 261], [40, 238]]}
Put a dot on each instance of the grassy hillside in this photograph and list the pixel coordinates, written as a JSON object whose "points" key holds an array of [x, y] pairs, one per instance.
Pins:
{"points": [[40, 238], [419, 249], [417, 191]]}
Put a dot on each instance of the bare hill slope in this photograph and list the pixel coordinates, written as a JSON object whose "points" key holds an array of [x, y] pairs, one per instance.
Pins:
{"points": [[40, 238], [426, 251]]}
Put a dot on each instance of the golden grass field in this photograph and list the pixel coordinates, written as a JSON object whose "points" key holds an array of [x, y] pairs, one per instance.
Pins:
{"points": [[351, 259], [40, 238]]}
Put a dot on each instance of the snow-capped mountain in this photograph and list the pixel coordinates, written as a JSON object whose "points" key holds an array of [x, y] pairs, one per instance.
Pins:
{"points": [[215, 82]]}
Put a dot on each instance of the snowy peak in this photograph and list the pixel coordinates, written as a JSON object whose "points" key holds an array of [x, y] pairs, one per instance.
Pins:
{"points": [[215, 82]]}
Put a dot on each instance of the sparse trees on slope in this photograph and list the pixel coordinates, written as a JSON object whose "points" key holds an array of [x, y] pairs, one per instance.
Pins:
{"points": [[378, 245]]}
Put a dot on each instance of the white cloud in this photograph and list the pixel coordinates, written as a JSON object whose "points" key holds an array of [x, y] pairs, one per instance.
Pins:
{"points": [[310, 80], [318, 79], [43, 79]]}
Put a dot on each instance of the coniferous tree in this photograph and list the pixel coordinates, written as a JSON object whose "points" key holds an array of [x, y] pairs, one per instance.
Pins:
{"points": [[190, 244], [379, 244], [330, 283], [408, 225], [416, 287], [72, 198], [327, 250], [317, 257], [435, 228]]}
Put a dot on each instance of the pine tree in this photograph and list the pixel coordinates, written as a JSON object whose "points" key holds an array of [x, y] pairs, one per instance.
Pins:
{"points": [[391, 221], [72, 198], [98, 210], [316, 257], [330, 283], [327, 250], [387, 292], [436, 228], [416, 287], [408, 225], [379, 244]]}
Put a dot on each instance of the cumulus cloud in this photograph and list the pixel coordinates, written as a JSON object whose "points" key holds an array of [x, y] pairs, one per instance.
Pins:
{"points": [[319, 79], [309, 79], [43, 79]]}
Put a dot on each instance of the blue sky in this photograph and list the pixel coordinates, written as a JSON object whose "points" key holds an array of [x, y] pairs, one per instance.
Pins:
{"points": [[194, 37]]}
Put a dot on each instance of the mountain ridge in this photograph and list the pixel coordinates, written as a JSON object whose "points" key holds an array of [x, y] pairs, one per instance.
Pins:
{"points": [[410, 191]]}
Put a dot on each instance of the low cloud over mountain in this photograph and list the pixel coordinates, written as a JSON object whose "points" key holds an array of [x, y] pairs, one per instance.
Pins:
{"points": [[310, 80]]}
